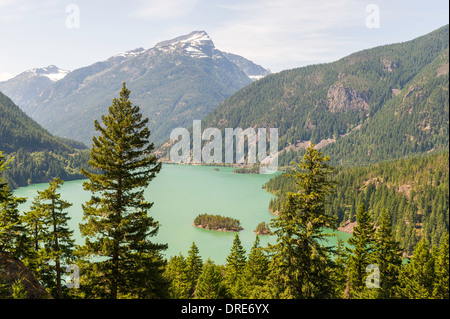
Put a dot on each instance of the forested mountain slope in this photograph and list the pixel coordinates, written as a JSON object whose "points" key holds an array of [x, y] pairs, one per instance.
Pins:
{"points": [[413, 191], [374, 105], [35, 154]]}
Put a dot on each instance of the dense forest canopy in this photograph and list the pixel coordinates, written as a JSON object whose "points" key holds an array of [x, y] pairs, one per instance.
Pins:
{"points": [[33, 154], [413, 191]]}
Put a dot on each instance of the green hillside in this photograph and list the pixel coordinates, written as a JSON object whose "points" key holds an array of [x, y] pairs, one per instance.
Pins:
{"points": [[17, 129], [414, 121], [413, 191], [374, 105], [35, 155]]}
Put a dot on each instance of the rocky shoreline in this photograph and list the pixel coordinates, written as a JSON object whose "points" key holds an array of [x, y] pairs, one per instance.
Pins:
{"points": [[217, 229], [347, 227]]}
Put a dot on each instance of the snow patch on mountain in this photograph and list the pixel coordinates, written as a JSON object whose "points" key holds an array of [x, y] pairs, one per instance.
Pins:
{"points": [[256, 77], [197, 38], [195, 52], [57, 76], [130, 53], [196, 44], [52, 72]]}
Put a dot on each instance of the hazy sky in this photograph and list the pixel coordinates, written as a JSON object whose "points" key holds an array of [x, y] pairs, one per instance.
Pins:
{"points": [[278, 34]]}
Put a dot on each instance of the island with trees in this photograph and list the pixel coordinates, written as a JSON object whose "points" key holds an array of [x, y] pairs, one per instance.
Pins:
{"points": [[217, 222], [254, 169], [262, 229]]}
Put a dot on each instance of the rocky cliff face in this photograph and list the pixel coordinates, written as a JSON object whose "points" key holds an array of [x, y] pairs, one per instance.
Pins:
{"points": [[13, 270], [342, 99]]}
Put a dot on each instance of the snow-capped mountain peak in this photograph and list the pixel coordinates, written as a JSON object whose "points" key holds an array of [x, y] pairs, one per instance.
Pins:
{"points": [[130, 53], [196, 44], [196, 38], [51, 72]]}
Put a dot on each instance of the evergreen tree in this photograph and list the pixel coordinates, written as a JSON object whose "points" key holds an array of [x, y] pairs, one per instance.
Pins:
{"points": [[339, 273], [116, 222], [3, 167], [13, 239], [234, 266], [211, 284], [441, 268], [18, 289], [255, 272], [194, 265], [4, 288], [360, 254], [417, 278], [178, 274], [301, 262], [34, 223], [52, 239], [388, 257]]}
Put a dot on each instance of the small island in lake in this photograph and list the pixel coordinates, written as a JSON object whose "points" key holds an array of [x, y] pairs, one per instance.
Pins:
{"points": [[248, 170], [262, 229], [217, 222]]}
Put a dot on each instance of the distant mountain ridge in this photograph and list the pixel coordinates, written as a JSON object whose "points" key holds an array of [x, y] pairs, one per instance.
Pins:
{"points": [[174, 82], [53, 73], [29, 84], [253, 71]]}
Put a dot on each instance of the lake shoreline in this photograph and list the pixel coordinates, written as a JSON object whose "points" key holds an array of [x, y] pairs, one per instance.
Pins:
{"points": [[218, 229]]}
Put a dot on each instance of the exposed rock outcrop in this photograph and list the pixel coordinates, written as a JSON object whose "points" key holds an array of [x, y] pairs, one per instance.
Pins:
{"points": [[13, 270], [342, 99], [347, 227]]}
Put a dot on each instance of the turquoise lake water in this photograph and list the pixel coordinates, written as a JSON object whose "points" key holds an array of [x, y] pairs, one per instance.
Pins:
{"points": [[180, 193]]}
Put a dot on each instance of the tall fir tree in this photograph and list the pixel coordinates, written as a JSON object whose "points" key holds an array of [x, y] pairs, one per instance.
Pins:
{"points": [[116, 225], [3, 167], [360, 252], [441, 258], [234, 267], [53, 241], [194, 265], [255, 272], [339, 273], [178, 275], [13, 236], [34, 223], [210, 284], [417, 278], [388, 257], [301, 261], [13, 239]]}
